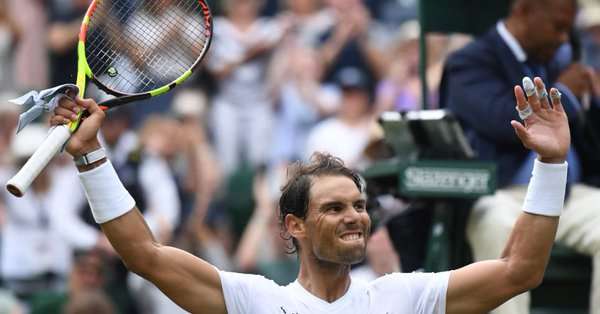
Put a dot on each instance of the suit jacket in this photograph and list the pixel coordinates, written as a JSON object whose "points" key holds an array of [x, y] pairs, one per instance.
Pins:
{"points": [[477, 86]]}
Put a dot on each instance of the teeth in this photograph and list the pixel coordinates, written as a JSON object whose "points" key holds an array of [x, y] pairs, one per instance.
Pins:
{"points": [[352, 236]]}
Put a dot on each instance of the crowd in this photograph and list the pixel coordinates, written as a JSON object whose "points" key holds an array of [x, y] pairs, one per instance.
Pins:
{"points": [[205, 163]]}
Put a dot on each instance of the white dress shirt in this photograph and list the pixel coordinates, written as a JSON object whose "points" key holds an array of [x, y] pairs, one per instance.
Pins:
{"points": [[41, 230]]}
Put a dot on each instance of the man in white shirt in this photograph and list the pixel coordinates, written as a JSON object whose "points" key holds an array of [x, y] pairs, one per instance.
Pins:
{"points": [[347, 133], [323, 210], [41, 230]]}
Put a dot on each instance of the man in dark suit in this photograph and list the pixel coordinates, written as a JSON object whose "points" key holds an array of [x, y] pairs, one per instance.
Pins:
{"points": [[531, 41]]}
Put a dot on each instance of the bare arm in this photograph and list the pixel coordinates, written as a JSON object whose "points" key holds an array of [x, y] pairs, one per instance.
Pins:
{"points": [[203, 180], [481, 287], [354, 25], [375, 58], [189, 281], [334, 45], [247, 254]]}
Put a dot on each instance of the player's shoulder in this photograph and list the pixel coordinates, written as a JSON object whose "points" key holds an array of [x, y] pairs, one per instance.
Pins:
{"points": [[249, 281], [248, 291], [408, 281]]}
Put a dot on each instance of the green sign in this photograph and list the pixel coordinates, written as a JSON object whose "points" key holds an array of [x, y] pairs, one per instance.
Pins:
{"points": [[447, 179]]}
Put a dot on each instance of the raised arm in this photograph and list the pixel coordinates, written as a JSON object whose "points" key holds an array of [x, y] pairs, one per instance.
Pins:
{"points": [[481, 287], [189, 281]]}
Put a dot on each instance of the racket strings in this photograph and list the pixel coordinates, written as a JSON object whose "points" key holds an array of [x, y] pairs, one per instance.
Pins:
{"points": [[156, 59], [137, 46], [183, 43], [172, 20]]}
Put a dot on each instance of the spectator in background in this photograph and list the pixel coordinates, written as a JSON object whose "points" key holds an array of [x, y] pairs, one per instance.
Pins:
{"points": [[9, 37], [200, 178], [92, 302], [387, 18], [348, 42], [589, 25], [392, 13], [260, 250], [242, 109], [45, 222], [118, 136], [88, 275], [31, 55], [143, 165], [151, 61], [309, 20], [197, 167], [9, 114], [301, 100], [62, 36], [346, 134], [400, 89], [477, 81], [160, 141], [9, 117]]}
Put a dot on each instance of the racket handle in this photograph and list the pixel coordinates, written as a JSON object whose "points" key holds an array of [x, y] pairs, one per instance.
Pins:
{"points": [[38, 161]]}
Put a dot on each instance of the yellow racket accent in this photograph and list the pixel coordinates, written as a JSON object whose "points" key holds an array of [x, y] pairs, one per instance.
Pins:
{"points": [[83, 72]]}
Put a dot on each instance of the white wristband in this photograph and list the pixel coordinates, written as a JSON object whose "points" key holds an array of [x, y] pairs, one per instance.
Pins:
{"points": [[106, 194], [546, 191]]}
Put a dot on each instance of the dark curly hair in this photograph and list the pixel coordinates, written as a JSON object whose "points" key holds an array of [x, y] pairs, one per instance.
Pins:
{"points": [[295, 194]]}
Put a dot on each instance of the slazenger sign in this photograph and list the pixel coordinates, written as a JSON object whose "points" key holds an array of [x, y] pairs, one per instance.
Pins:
{"points": [[444, 180]]}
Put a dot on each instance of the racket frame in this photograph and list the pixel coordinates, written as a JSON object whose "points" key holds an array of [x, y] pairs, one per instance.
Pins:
{"points": [[60, 135]]}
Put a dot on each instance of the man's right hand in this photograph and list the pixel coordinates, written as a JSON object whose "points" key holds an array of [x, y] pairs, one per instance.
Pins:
{"points": [[85, 139], [576, 78]]}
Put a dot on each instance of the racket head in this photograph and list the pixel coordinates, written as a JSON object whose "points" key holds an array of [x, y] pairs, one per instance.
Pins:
{"points": [[137, 49]]}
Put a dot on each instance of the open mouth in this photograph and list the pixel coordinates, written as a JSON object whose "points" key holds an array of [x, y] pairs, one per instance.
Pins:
{"points": [[352, 236]]}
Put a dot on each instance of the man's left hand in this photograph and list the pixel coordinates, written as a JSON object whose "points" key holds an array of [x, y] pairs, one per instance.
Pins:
{"points": [[546, 130]]}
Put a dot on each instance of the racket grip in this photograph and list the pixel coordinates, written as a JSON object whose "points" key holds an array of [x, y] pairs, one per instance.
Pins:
{"points": [[18, 184]]}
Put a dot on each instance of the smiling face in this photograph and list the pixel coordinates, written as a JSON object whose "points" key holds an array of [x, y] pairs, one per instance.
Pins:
{"points": [[337, 225]]}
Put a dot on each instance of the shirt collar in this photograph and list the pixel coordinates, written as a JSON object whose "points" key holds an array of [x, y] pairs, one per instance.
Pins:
{"points": [[511, 42]]}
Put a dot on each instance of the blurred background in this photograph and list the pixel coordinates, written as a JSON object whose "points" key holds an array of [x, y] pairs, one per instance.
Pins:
{"points": [[283, 79]]}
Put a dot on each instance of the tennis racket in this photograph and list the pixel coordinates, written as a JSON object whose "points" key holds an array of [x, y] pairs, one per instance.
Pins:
{"points": [[133, 50]]}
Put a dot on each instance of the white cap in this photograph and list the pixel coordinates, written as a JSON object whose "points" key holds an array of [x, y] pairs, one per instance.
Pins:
{"points": [[28, 140], [190, 102], [589, 16], [409, 30]]}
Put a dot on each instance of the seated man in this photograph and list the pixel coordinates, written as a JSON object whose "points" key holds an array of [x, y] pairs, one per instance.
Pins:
{"points": [[476, 83], [323, 210]]}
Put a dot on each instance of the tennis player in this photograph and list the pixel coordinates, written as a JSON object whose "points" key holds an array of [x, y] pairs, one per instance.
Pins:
{"points": [[323, 209]]}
